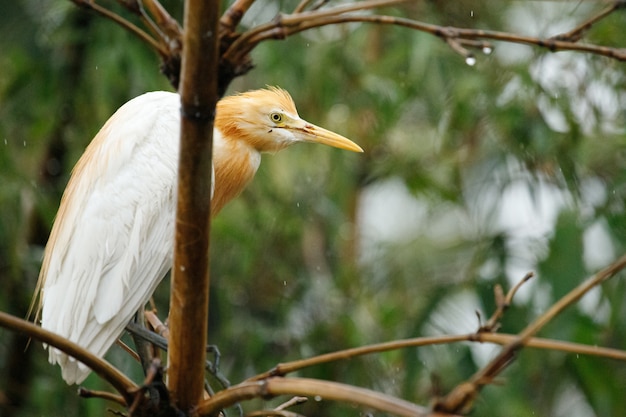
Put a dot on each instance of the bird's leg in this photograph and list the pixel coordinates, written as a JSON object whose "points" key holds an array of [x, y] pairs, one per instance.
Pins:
{"points": [[158, 338], [213, 369], [143, 345], [146, 335]]}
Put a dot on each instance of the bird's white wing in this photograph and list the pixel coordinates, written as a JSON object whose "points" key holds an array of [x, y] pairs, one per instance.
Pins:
{"points": [[112, 240]]}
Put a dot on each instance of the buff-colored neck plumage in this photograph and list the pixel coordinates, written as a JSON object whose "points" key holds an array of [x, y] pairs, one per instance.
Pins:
{"points": [[243, 130]]}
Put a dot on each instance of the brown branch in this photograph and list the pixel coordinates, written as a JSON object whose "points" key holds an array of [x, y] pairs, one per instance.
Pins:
{"points": [[170, 31], [273, 413], [232, 16], [92, 5], [332, 391], [577, 33], [105, 370], [288, 25], [301, 6], [495, 338], [189, 299], [158, 326], [104, 395], [463, 395], [280, 27], [281, 410], [502, 304]]}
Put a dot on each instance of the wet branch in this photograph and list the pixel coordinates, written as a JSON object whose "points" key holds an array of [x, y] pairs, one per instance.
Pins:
{"points": [[285, 25]]}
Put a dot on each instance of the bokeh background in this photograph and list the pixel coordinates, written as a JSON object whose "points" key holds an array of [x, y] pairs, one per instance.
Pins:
{"points": [[472, 176]]}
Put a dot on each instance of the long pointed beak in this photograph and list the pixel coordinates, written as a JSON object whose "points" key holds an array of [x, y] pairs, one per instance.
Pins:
{"points": [[308, 132]]}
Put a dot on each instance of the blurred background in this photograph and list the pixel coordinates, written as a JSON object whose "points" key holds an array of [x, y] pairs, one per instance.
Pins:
{"points": [[472, 176]]}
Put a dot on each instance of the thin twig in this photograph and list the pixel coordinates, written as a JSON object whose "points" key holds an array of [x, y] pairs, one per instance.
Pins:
{"points": [[87, 393], [170, 30], [281, 410], [464, 394], [301, 6], [92, 5], [248, 40], [293, 401], [502, 304], [128, 350], [577, 33]]}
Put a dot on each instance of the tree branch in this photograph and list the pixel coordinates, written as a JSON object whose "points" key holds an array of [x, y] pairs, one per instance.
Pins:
{"points": [[463, 395], [232, 16], [105, 370], [333, 391], [92, 5], [577, 33], [283, 369], [289, 24], [189, 298]]}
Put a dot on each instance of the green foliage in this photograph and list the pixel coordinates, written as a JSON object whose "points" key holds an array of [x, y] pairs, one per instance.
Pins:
{"points": [[472, 177]]}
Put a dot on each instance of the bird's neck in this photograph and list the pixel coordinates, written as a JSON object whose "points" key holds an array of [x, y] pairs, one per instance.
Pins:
{"points": [[235, 163]]}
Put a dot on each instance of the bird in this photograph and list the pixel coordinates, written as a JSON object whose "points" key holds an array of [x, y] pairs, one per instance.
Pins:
{"points": [[111, 241]]}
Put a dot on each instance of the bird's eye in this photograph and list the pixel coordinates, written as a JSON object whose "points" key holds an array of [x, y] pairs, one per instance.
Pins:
{"points": [[276, 117]]}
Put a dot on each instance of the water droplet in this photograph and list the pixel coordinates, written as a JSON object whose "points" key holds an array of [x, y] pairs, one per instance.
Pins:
{"points": [[318, 398], [5, 141], [24, 143], [487, 50], [284, 283], [470, 60], [182, 268], [471, 13]]}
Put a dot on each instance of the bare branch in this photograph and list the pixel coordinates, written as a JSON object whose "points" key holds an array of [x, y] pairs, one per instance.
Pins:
{"points": [[577, 33], [496, 338], [232, 16], [284, 25], [502, 304], [310, 387], [92, 5], [281, 410], [287, 25], [463, 395], [105, 370], [169, 29], [87, 393], [301, 6]]}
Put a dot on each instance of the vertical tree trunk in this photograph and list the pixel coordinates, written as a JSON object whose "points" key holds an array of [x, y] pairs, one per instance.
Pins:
{"points": [[190, 279]]}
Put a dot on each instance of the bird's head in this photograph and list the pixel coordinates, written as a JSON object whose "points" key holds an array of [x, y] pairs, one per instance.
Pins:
{"points": [[268, 121]]}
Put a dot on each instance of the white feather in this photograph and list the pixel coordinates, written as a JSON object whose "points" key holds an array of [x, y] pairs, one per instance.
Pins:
{"points": [[111, 243], [117, 230]]}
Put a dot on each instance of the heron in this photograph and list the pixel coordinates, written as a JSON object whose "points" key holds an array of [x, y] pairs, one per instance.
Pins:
{"points": [[111, 241]]}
